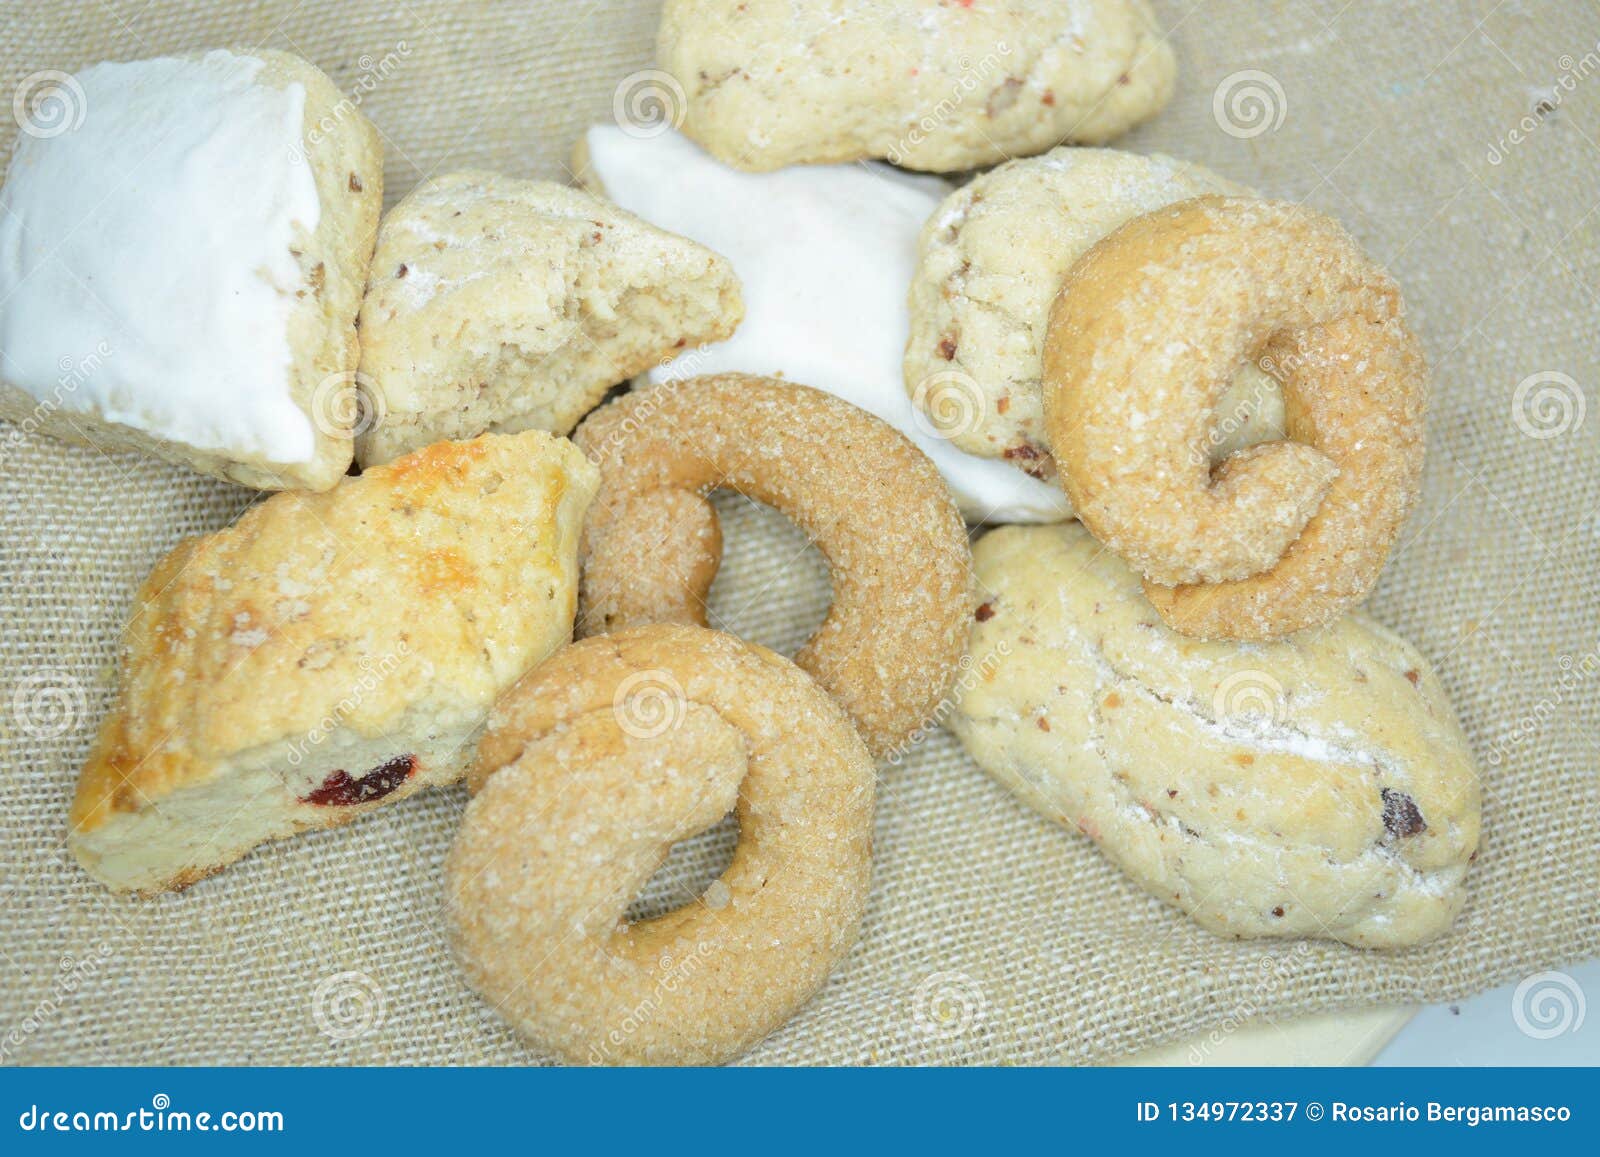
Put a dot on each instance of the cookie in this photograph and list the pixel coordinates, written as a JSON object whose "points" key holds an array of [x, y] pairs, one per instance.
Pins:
{"points": [[501, 304], [865, 497], [590, 770], [989, 263], [183, 268], [329, 653], [1318, 786], [1142, 337], [925, 84]]}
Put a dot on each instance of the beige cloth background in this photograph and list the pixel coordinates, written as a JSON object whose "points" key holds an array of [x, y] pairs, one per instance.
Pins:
{"points": [[992, 937]]}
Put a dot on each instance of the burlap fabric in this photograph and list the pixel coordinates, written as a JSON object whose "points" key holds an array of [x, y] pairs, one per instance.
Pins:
{"points": [[1459, 141]]}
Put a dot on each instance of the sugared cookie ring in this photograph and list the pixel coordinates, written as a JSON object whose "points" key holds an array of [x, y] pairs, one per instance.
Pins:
{"points": [[870, 501], [590, 770], [1145, 335]]}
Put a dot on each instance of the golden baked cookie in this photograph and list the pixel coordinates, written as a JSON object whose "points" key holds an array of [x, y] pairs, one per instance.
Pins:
{"points": [[870, 501], [328, 653], [1317, 786], [925, 84], [989, 263], [205, 311], [500, 304], [591, 768], [1143, 340]]}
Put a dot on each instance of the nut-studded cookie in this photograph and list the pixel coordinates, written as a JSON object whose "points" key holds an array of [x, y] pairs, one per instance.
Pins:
{"points": [[925, 84], [1316, 786]]}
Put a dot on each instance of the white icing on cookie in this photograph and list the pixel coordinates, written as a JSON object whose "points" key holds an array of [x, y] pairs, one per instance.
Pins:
{"points": [[148, 251], [825, 254]]}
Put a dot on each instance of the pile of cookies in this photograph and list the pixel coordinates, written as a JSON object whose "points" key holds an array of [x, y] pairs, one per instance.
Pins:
{"points": [[1221, 389]]}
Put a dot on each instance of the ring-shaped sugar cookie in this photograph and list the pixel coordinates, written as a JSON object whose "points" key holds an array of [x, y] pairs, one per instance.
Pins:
{"points": [[1147, 331], [591, 768], [870, 500]]}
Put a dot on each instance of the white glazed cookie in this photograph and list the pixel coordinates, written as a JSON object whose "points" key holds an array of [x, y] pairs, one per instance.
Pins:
{"points": [[825, 293], [926, 84], [1315, 786], [501, 304], [990, 262], [180, 273], [329, 653]]}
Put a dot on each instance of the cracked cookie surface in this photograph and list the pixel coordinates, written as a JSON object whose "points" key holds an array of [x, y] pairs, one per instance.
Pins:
{"points": [[1316, 786]]}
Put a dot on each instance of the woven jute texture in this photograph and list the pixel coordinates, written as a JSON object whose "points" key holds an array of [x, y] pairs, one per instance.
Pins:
{"points": [[1461, 144]]}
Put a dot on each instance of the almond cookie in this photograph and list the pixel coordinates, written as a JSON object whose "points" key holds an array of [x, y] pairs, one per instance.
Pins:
{"points": [[184, 263], [989, 263], [1317, 786], [499, 304], [329, 653], [591, 768], [925, 84]]}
